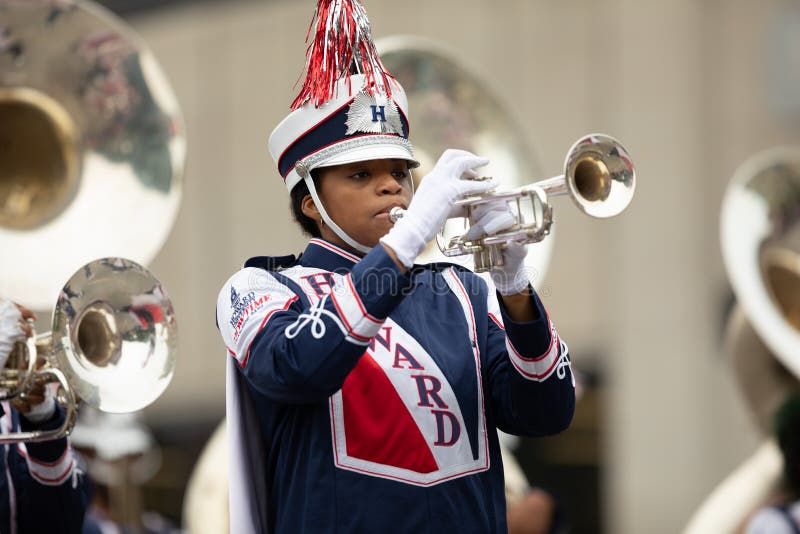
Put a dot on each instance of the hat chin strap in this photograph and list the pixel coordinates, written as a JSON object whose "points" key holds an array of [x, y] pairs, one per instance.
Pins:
{"points": [[335, 227]]}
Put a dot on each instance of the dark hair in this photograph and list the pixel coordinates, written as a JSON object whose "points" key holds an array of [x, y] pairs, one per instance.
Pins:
{"points": [[787, 431], [298, 193]]}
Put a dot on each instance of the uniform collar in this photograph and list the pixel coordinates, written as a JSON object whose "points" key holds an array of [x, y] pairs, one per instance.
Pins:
{"points": [[324, 255]]}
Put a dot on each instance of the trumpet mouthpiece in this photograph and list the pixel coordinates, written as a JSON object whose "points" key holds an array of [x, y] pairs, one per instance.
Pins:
{"points": [[396, 213]]}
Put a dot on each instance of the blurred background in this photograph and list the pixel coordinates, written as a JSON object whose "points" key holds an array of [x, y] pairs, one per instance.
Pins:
{"points": [[691, 87]]}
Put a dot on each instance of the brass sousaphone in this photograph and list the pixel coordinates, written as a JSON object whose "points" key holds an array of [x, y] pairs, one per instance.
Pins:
{"points": [[91, 162], [91, 146], [760, 235]]}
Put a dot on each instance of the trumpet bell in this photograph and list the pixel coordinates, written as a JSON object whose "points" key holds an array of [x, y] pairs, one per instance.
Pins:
{"points": [[600, 176], [91, 145], [115, 335]]}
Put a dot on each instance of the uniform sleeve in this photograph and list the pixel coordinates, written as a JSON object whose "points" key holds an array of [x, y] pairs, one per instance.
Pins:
{"points": [[528, 366], [51, 491], [296, 352], [770, 521]]}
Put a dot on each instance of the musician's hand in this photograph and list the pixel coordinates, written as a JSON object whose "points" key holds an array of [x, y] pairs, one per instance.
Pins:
{"points": [[26, 315], [13, 328], [38, 404], [511, 278], [489, 219], [533, 514], [433, 201]]}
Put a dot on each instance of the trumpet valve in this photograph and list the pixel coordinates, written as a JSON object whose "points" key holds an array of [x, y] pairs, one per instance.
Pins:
{"points": [[488, 258]]}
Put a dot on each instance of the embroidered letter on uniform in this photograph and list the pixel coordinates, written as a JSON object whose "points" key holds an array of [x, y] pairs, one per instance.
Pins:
{"points": [[446, 419], [397, 416], [429, 387], [402, 355]]}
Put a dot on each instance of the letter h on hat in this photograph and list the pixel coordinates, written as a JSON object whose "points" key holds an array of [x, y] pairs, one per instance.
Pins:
{"points": [[349, 109]]}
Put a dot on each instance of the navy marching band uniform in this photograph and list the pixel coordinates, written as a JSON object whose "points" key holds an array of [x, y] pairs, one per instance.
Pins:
{"points": [[44, 488], [377, 393]]}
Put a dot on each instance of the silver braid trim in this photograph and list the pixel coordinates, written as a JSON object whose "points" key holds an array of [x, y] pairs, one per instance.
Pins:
{"points": [[311, 161]]}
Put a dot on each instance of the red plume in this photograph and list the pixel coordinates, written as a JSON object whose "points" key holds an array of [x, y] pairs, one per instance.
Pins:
{"points": [[342, 45]]}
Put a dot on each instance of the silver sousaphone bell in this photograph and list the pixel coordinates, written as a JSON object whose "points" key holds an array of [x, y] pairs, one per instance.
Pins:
{"points": [[91, 159], [91, 145], [760, 237], [113, 345]]}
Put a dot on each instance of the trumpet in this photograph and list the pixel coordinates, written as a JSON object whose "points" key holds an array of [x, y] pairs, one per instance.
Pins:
{"points": [[598, 175], [21, 375], [113, 345]]}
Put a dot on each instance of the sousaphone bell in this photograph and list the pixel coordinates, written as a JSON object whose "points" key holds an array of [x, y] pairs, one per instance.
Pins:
{"points": [[91, 145], [91, 163], [760, 236]]}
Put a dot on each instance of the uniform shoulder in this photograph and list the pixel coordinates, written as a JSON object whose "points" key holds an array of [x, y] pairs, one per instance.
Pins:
{"points": [[770, 520], [252, 289], [253, 270], [439, 266], [256, 276], [271, 263], [465, 274]]}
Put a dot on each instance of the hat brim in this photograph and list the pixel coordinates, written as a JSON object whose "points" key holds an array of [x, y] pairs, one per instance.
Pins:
{"points": [[372, 152]]}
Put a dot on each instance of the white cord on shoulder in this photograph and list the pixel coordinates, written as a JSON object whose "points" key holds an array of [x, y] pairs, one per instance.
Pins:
{"points": [[335, 227]]}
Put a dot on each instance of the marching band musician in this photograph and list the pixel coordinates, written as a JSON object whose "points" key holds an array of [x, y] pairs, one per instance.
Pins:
{"points": [[43, 490], [364, 391], [782, 514]]}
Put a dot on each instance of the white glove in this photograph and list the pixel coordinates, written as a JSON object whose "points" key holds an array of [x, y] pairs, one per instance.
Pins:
{"points": [[10, 329], [512, 278], [433, 201], [43, 410], [489, 219], [11, 332]]}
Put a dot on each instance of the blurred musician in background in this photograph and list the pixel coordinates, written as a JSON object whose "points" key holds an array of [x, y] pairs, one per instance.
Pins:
{"points": [[782, 516], [121, 455], [43, 490], [536, 512], [364, 391], [531, 509], [528, 510]]}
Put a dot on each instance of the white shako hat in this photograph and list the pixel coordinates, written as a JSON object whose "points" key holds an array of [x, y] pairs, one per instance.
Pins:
{"points": [[341, 117]]}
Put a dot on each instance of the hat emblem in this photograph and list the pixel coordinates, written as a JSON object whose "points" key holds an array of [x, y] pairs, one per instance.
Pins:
{"points": [[373, 114], [234, 297]]}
